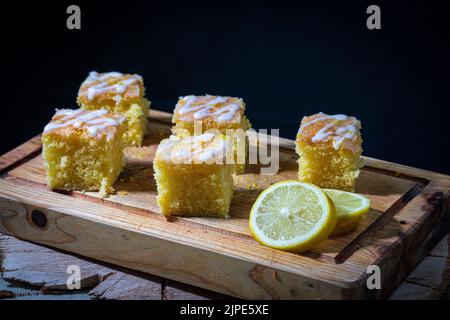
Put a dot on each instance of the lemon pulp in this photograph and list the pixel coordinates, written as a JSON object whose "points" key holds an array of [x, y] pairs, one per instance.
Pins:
{"points": [[349, 209]]}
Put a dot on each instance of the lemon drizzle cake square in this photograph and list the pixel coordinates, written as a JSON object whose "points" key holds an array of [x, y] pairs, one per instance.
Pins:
{"points": [[192, 176], [329, 147], [212, 111], [198, 114], [117, 92], [83, 149]]}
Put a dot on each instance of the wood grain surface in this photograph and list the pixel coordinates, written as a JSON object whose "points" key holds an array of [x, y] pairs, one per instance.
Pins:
{"points": [[31, 271]]}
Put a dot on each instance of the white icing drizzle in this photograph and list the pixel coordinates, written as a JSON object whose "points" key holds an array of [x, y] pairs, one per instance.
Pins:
{"points": [[104, 85], [206, 155], [94, 76], [200, 148], [346, 132], [216, 100], [338, 129], [340, 117], [119, 87], [227, 112], [200, 111], [118, 99], [188, 100], [95, 122], [203, 112]]}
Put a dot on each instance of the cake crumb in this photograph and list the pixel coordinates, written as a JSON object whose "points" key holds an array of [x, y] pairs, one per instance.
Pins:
{"points": [[251, 186]]}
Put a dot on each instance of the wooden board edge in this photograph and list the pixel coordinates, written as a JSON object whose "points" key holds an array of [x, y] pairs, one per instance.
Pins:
{"points": [[48, 224], [398, 255], [21, 153]]}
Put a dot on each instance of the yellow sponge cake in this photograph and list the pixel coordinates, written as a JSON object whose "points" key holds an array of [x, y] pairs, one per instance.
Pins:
{"points": [[83, 150], [192, 176], [121, 93], [197, 114], [212, 111], [329, 147]]}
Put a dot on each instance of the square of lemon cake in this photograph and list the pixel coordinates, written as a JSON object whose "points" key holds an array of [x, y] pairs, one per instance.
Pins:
{"points": [[83, 149], [198, 114], [121, 93], [329, 147], [192, 176]]}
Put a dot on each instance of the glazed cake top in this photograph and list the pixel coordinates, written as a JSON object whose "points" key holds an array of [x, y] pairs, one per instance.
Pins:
{"points": [[340, 130], [217, 108], [110, 88], [96, 123], [207, 148]]}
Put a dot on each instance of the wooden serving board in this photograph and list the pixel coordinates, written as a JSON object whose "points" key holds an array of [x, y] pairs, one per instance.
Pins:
{"points": [[407, 218]]}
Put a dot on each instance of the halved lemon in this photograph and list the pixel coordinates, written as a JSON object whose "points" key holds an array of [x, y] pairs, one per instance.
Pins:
{"points": [[349, 209], [292, 216]]}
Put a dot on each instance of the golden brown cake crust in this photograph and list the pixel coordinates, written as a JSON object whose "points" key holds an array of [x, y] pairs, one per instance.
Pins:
{"points": [[96, 123], [207, 108], [110, 89], [340, 131]]}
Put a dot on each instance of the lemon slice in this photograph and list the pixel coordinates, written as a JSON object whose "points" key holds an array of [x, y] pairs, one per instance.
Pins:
{"points": [[346, 227], [292, 216], [349, 209]]}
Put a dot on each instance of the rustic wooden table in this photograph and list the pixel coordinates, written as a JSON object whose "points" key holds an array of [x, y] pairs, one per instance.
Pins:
{"points": [[30, 271]]}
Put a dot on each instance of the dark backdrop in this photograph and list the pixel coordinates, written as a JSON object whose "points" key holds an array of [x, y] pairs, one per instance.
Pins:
{"points": [[286, 59]]}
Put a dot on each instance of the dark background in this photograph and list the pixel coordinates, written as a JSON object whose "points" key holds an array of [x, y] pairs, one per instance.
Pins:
{"points": [[286, 59]]}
